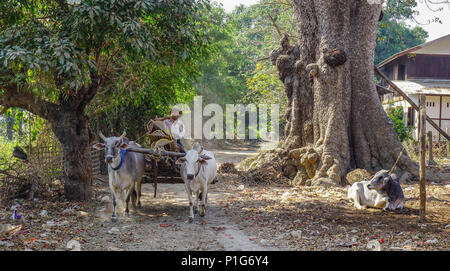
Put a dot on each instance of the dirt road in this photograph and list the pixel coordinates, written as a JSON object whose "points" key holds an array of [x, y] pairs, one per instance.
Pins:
{"points": [[239, 216], [162, 222]]}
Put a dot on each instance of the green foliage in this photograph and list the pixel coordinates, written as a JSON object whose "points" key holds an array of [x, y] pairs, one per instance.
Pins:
{"points": [[6, 149], [220, 81], [396, 115], [55, 48], [239, 39], [144, 54], [394, 36]]}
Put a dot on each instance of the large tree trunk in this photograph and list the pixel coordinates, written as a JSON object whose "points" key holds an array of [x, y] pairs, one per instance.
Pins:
{"points": [[335, 119], [70, 125], [72, 131]]}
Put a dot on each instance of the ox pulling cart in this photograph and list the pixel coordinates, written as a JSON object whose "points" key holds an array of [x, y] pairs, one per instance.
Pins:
{"points": [[161, 157]]}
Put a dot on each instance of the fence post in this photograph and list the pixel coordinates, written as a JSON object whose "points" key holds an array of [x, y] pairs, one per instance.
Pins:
{"points": [[431, 161], [422, 127], [448, 144]]}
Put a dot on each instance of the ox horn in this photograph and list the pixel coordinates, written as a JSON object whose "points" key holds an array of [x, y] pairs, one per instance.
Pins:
{"points": [[123, 135], [100, 134]]}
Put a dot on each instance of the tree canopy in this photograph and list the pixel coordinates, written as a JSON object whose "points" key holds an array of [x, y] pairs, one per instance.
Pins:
{"points": [[58, 50], [58, 56]]}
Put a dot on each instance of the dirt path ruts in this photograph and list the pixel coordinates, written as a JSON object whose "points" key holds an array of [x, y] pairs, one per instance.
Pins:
{"points": [[161, 223]]}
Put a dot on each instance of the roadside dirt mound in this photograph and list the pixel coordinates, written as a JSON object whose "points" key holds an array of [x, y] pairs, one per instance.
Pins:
{"points": [[264, 175], [227, 168], [358, 175]]}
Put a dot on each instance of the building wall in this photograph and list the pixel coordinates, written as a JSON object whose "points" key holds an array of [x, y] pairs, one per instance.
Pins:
{"points": [[445, 124], [446, 107], [419, 66], [433, 106], [432, 112], [427, 66]]}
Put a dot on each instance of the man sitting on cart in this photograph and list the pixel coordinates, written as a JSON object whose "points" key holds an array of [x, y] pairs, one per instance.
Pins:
{"points": [[176, 128], [175, 125]]}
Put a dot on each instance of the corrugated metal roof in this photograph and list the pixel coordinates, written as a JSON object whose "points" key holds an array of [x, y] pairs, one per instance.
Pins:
{"points": [[424, 86]]}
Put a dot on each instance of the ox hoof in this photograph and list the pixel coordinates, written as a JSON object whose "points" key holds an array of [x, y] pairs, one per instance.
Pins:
{"points": [[195, 211], [202, 214], [114, 219], [191, 219]]}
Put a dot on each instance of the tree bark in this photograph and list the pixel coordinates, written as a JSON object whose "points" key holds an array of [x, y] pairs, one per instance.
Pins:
{"points": [[72, 131], [70, 125], [335, 121]]}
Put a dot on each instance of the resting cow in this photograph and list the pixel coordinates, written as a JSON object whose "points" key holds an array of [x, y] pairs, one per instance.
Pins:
{"points": [[371, 193], [125, 170], [395, 193], [198, 169]]}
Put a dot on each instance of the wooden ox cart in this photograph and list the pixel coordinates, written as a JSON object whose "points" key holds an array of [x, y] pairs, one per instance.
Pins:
{"points": [[161, 157]]}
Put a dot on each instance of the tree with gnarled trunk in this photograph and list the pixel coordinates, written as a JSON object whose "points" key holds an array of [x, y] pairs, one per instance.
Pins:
{"points": [[335, 119], [56, 56]]}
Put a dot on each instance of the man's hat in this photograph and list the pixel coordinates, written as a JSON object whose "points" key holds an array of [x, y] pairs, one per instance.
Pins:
{"points": [[176, 112]]}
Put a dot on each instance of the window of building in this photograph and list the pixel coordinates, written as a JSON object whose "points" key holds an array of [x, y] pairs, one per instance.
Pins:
{"points": [[401, 72], [411, 116]]}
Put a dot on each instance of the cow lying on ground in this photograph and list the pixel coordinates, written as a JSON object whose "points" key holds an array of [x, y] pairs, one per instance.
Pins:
{"points": [[125, 170], [395, 193], [198, 170], [382, 191]]}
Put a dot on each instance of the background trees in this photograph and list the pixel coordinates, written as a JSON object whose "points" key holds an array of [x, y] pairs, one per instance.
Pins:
{"points": [[58, 55], [84, 66]]}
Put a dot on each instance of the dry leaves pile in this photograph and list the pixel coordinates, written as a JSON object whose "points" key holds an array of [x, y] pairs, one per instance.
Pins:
{"points": [[227, 168], [272, 215], [268, 174], [52, 225], [315, 218]]}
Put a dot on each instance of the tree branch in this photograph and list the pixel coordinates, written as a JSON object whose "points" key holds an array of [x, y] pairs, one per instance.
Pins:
{"points": [[13, 96], [275, 25]]}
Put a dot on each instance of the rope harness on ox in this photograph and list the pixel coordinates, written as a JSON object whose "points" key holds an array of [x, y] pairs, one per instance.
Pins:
{"points": [[122, 159]]}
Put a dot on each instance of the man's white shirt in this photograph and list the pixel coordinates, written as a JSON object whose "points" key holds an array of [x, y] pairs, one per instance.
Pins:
{"points": [[176, 128]]}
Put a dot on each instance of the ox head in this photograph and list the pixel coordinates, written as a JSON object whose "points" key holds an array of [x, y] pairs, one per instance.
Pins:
{"points": [[112, 146], [192, 161], [380, 181]]}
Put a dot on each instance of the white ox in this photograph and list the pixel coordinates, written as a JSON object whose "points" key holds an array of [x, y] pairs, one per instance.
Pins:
{"points": [[198, 169], [125, 170], [371, 193]]}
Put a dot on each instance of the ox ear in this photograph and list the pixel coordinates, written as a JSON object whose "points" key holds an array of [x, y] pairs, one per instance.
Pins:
{"points": [[98, 146], [180, 161], [203, 161]]}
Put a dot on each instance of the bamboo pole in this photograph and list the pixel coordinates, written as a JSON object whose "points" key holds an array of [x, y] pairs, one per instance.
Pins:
{"points": [[422, 176], [399, 91]]}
